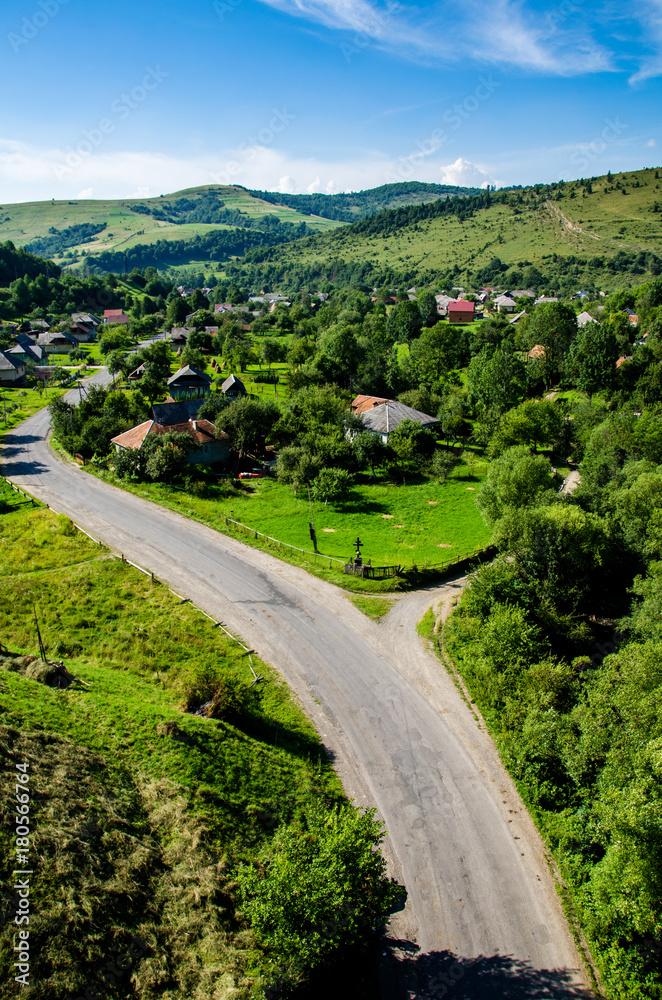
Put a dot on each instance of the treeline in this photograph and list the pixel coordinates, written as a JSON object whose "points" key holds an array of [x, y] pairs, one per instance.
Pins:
{"points": [[560, 639], [17, 262], [60, 239], [361, 204], [216, 246]]}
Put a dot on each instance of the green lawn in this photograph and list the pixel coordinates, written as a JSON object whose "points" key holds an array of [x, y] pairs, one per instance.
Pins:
{"points": [[17, 404], [421, 524]]}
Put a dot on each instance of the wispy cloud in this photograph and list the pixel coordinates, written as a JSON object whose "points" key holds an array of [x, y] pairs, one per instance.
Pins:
{"points": [[650, 14], [498, 32]]}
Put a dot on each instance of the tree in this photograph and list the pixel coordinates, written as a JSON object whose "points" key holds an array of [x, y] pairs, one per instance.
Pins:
{"points": [[272, 350], [517, 479], [411, 444], [318, 888], [331, 484], [534, 422], [554, 326], [166, 455], [369, 449], [443, 463], [193, 357], [176, 311], [404, 322], [117, 361], [427, 306], [247, 423], [593, 358], [436, 351], [114, 339]]}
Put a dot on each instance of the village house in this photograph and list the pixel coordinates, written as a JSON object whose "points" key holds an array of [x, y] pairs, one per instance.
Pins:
{"points": [[461, 311], [233, 387], [523, 293], [585, 318], [179, 335], [443, 301], [384, 418], [12, 369], [26, 351], [208, 447], [543, 299], [115, 316], [56, 342], [84, 327], [173, 411], [362, 403], [189, 383], [505, 304]]}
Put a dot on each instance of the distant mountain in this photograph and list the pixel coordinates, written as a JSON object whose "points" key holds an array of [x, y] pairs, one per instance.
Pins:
{"points": [[361, 204]]}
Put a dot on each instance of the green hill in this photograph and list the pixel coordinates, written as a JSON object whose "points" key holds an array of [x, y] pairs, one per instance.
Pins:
{"points": [[207, 217], [602, 232], [362, 204]]}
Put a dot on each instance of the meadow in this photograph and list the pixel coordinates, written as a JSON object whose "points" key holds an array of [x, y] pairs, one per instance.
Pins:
{"points": [[18, 403], [157, 806]]}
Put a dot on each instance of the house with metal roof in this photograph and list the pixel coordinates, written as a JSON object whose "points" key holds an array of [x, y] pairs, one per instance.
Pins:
{"points": [[461, 311], [385, 417], [189, 383], [12, 369], [233, 387]]}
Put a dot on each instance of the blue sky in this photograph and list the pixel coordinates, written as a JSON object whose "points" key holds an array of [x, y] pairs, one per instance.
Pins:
{"points": [[133, 98]]}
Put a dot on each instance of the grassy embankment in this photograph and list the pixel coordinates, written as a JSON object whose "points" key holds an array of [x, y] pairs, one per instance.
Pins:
{"points": [[141, 811]]}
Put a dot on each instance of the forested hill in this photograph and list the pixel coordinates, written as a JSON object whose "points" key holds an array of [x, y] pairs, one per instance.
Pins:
{"points": [[362, 204], [598, 232]]}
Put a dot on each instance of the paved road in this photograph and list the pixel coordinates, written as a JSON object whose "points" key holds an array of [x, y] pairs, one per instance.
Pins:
{"points": [[482, 917]]}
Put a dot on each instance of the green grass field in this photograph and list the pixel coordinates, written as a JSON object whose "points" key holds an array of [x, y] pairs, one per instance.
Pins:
{"points": [[420, 524]]}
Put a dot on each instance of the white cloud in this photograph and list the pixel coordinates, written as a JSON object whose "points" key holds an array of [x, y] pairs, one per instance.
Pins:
{"points": [[650, 14], [141, 192], [651, 144], [286, 185], [465, 174], [85, 193], [495, 32]]}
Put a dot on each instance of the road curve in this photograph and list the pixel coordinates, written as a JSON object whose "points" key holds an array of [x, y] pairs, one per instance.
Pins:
{"points": [[480, 895]]}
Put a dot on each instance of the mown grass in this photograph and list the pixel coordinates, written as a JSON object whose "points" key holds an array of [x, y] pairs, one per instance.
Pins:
{"points": [[155, 778], [421, 524]]}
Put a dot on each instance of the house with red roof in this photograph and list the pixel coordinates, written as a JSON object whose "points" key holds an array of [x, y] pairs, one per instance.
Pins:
{"points": [[461, 311]]}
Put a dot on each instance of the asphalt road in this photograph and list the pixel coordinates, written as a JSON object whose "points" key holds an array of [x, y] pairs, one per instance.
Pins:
{"points": [[482, 917]]}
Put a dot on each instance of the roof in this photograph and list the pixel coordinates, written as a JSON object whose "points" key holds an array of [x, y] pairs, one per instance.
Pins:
{"points": [[537, 351], [546, 298], [585, 318], [516, 318], [29, 350], [133, 438], [200, 431], [7, 363], [521, 292], [384, 418], [504, 300], [461, 305], [180, 331], [86, 318], [232, 381], [55, 337], [623, 360], [189, 374], [172, 412], [363, 403], [110, 313]]}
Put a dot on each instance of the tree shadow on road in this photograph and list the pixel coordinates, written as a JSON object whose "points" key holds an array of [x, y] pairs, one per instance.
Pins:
{"points": [[441, 974]]}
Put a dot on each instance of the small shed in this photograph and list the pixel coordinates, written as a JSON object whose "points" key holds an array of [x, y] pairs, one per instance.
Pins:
{"points": [[233, 387], [461, 311]]}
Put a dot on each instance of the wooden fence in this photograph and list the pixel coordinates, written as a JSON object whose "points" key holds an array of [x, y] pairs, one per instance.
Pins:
{"points": [[368, 572], [282, 545]]}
